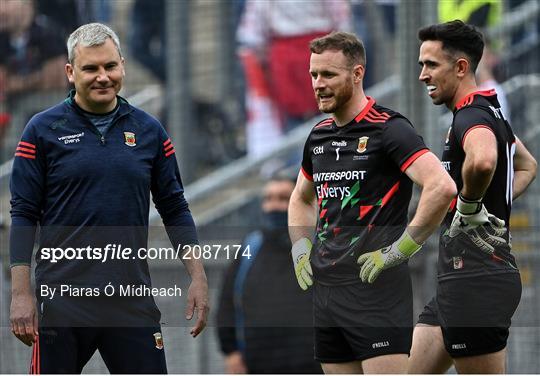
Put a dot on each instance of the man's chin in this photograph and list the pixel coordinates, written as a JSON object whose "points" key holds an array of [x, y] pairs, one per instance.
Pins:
{"points": [[327, 110]]}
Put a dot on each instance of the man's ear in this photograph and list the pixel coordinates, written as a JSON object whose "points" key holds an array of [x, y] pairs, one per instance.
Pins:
{"points": [[69, 73], [358, 73], [463, 67]]}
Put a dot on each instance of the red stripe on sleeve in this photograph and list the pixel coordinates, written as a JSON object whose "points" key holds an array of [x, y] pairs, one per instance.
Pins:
{"points": [[169, 152], [167, 142], [306, 175], [167, 148], [31, 151], [475, 127], [28, 156], [412, 158], [22, 143]]}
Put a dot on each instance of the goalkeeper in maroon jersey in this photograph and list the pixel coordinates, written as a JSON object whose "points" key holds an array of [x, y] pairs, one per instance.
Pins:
{"points": [[354, 189]]}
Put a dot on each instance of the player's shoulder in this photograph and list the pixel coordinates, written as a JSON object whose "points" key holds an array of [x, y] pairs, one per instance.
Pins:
{"points": [[477, 109], [144, 121], [386, 117], [49, 117], [323, 124], [477, 104]]}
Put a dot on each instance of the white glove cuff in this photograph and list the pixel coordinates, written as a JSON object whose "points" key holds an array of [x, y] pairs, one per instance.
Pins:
{"points": [[468, 207], [300, 247]]}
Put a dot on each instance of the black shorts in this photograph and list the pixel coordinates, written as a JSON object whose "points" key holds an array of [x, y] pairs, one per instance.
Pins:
{"points": [[362, 321], [124, 350], [474, 313], [65, 345]]}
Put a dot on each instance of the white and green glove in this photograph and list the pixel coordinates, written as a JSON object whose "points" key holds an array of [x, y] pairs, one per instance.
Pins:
{"points": [[377, 261], [485, 230], [301, 250]]}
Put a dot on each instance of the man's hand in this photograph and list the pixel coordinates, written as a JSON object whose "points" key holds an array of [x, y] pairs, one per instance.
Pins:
{"points": [[234, 363], [23, 317], [198, 299], [377, 261], [485, 230], [301, 250]]}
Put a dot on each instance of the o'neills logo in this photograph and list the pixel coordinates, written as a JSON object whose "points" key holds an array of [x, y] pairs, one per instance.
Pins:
{"points": [[362, 144], [340, 143], [380, 344], [129, 138]]}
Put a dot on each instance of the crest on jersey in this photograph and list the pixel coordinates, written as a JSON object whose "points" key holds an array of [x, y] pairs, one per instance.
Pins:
{"points": [[458, 262], [362, 144], [159, 340], [129, 138]]}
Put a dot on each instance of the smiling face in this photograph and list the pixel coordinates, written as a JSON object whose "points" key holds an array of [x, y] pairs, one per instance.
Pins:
{"points": [[440, 73], [97, 73], [333, 80]]}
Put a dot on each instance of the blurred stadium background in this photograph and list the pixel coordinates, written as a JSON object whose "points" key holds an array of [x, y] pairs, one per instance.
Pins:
{"points": [[202, 103]]}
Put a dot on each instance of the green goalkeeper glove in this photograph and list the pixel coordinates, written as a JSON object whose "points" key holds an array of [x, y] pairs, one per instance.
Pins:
{"points": [[485, 230], [377, 261], [301, 250]]}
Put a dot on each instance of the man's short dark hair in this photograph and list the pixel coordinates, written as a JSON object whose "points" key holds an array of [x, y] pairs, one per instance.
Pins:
{"points": [[348, 43], [283, 175], [456, 36]]}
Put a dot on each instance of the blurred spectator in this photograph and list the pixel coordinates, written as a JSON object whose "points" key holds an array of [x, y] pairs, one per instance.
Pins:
{"points": [[32, 56], [274, 38], [481, 13], [68, 15], [375, 25], [486, 80], [147, 36], [32, 53], [264, 319]]}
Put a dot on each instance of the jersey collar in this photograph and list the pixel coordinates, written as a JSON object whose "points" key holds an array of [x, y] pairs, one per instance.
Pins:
{"points": [[365, 110], [124, 105], [468, 99]]}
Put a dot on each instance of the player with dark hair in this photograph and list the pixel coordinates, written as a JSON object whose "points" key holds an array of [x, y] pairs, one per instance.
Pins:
{"points": [[83, 171], [479, 285], [354, 188]]}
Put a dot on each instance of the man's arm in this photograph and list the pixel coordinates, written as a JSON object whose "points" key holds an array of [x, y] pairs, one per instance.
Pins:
{"points": [[438, 190], [524, 169], [197, 295], [485, 230], [168, 196], [480, 148], [302, 210], [302, 221], [23, 316]]}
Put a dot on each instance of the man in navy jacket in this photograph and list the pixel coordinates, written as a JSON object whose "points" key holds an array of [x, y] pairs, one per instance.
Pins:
{"points": [[82, 167]]}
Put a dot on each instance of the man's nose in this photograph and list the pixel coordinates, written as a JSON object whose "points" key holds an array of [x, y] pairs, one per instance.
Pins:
{"points": [[102, 75]]}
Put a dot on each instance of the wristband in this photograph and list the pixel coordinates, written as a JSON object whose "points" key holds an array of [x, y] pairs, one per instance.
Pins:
{"points": [[407, 245], [468, 207]]}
